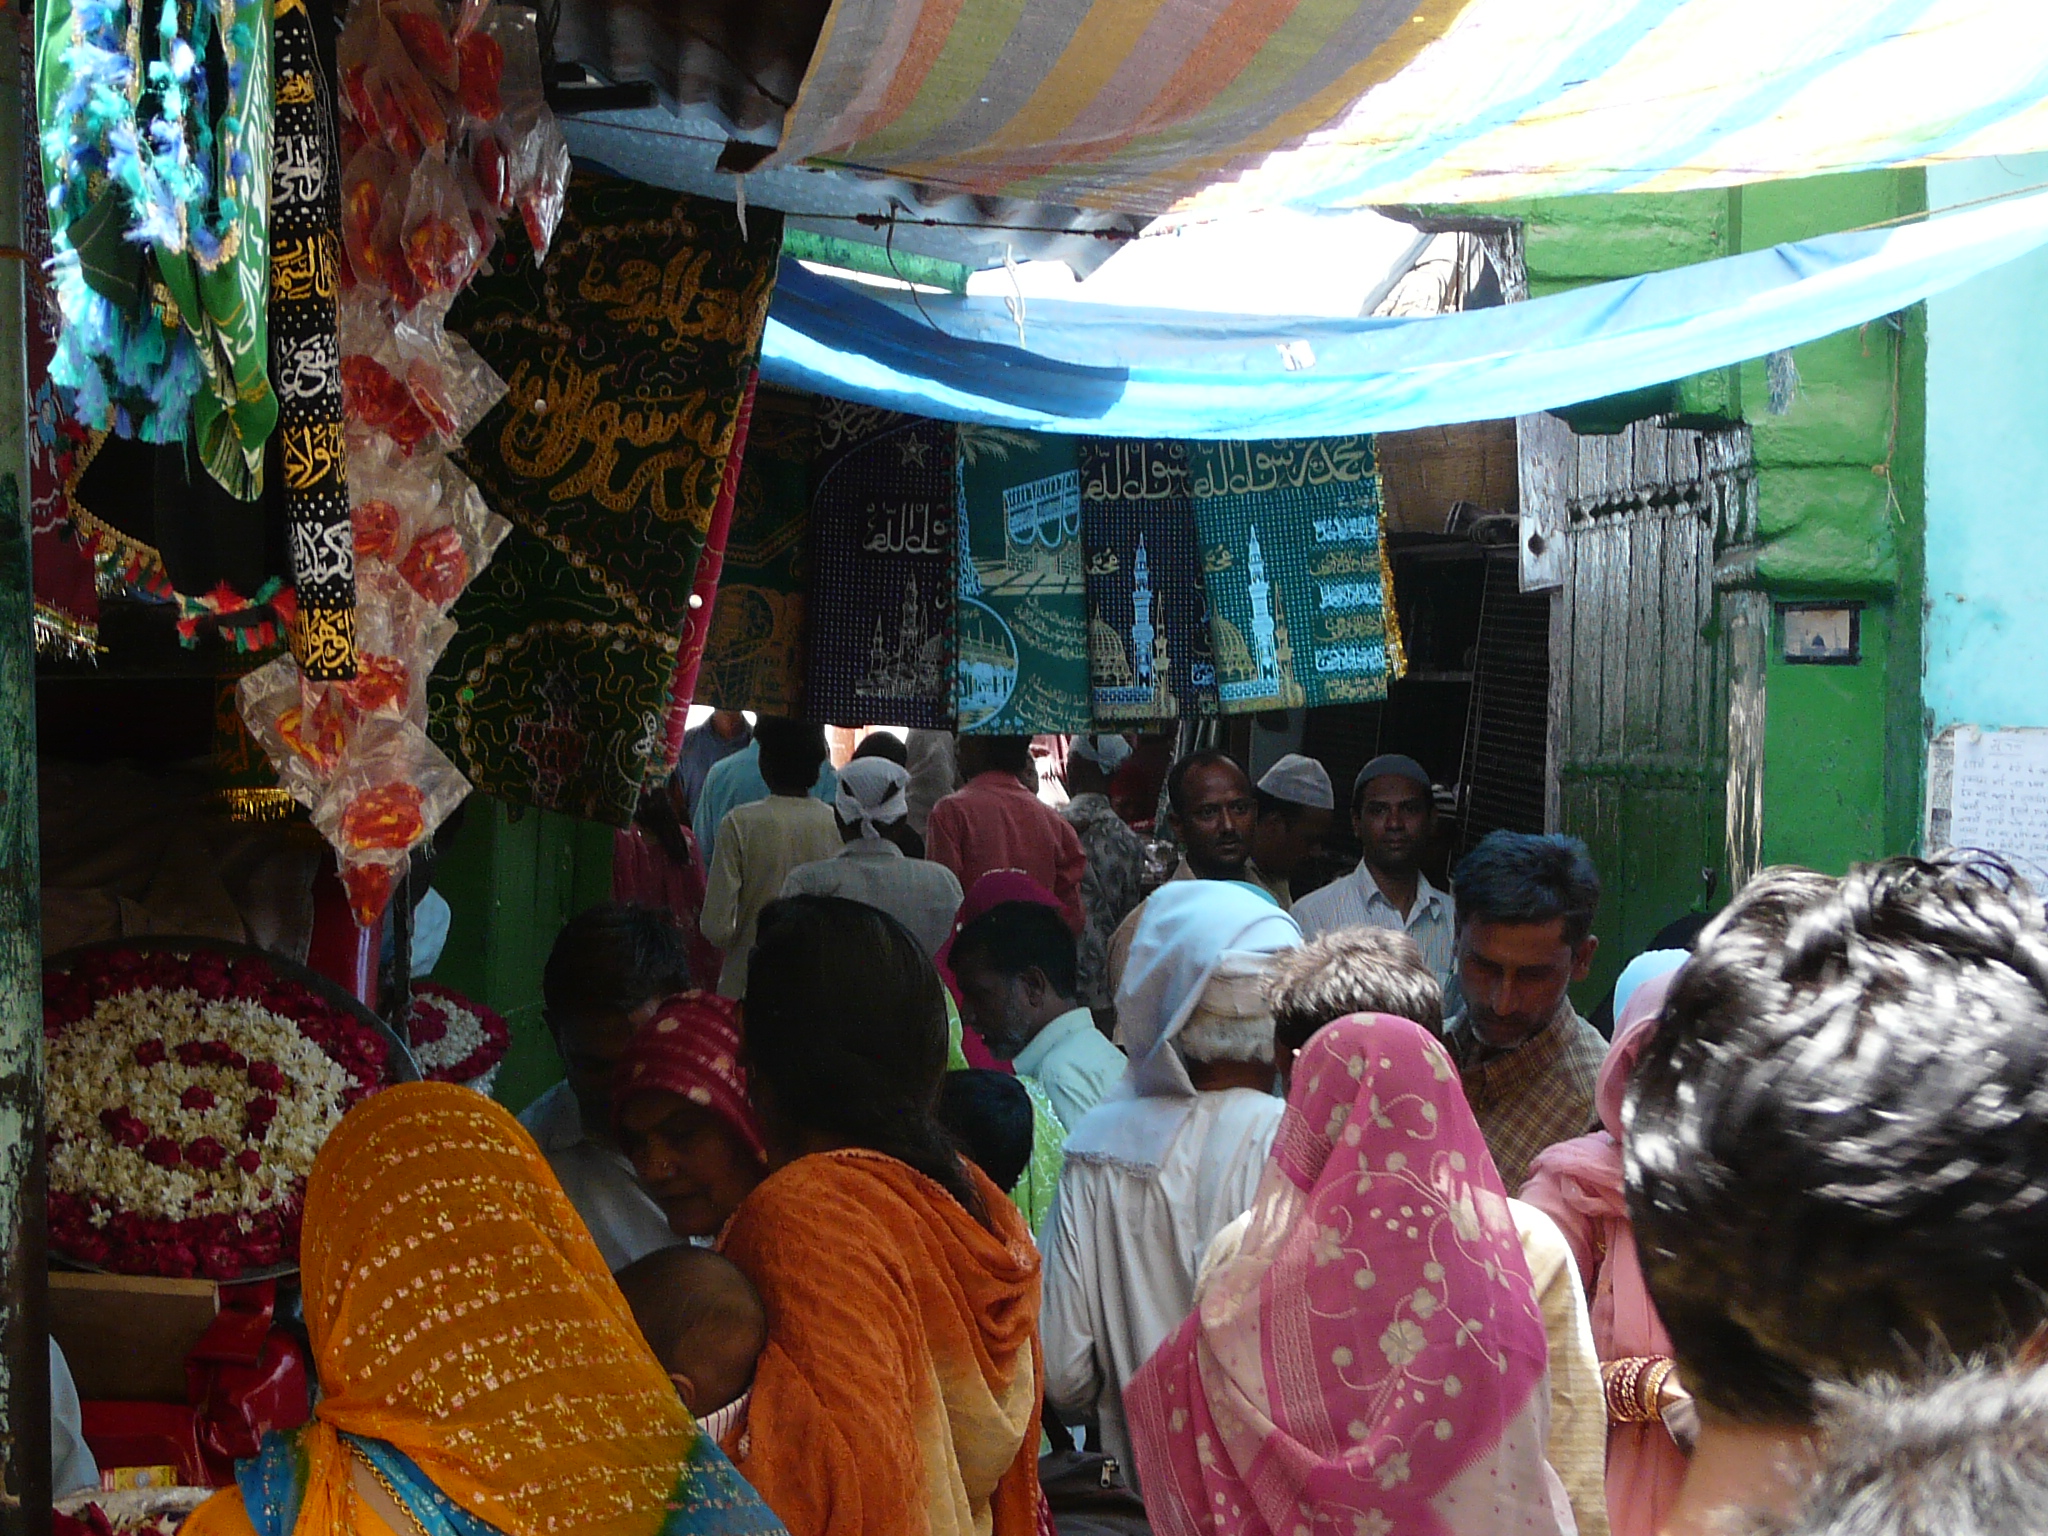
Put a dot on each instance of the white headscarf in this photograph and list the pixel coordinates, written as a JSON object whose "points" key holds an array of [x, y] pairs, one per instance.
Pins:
{"points": [[1187, 928], [1107, 752], [873, 792]]}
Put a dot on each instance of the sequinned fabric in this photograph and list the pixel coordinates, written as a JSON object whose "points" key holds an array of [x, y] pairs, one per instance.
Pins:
{"points": [[883, 569], [461, 1316]]}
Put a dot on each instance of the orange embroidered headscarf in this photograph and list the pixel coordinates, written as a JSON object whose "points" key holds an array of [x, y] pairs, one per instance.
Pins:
{"points": [[459, 1310]]}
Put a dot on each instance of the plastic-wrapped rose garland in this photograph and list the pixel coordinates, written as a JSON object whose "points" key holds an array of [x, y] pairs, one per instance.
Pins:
{"points": [[445, 135], [455, 1040], [186, 1096]]}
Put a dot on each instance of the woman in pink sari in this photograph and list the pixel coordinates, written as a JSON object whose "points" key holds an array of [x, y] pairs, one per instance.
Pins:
{"points": [[1371, 1361], [1578, 1184]]}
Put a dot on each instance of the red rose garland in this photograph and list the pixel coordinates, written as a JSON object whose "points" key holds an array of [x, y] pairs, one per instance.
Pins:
{"points": [[225, 1075]]}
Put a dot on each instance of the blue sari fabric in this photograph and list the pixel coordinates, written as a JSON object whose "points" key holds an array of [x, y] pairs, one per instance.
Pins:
{"points": [[710, 1498]]}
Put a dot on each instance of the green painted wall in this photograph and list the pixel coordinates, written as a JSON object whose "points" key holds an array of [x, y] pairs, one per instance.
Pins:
{"points": [[1840, 492], [512, 878]]}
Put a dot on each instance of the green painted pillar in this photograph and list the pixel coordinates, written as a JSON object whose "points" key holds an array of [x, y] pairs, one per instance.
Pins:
{"points": [[511, 879], [24, 1359]]}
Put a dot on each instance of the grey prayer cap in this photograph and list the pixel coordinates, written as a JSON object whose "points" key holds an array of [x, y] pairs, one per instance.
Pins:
{"points": [[1391, 765]]}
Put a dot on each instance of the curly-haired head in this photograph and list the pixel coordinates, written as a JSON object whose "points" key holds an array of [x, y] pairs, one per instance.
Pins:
{"points": [[1837, 1142]]}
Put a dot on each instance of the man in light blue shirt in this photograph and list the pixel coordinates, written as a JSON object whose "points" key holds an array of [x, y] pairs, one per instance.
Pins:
{"points": [[1016, 966], [736, 781], [1394, 814]]}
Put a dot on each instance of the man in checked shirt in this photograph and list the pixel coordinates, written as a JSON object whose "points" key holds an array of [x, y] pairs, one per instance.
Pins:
{"points": [[1525, 933]]}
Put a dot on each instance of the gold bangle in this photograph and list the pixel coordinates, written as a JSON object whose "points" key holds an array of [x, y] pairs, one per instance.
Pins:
{"points": [[1623, 1381], [1652, 1390]]}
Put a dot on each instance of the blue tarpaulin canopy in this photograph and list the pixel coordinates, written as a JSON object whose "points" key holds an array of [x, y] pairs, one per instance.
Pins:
{"points": [[1116, 372]]}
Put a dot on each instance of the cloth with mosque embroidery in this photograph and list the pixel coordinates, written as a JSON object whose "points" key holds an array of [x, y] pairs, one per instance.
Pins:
{"points": [[1148, 616], [1021, 627], [1295, 572], [884, 520], [627, 355]]}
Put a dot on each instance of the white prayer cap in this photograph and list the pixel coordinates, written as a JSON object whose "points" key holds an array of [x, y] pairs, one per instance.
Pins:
{"points": [[873, 792], [1300, 781], [1107, 752]]}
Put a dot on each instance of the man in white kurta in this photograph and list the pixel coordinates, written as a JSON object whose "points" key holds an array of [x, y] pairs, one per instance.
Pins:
{"points": [[1172, 1155]]}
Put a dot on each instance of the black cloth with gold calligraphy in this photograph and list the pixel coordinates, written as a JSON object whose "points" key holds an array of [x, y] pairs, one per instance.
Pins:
{"points": [[305, 357], [627, 355]]}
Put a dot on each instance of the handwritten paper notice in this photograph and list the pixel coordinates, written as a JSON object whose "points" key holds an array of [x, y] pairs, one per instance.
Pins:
{"points": [[1999, 794]]}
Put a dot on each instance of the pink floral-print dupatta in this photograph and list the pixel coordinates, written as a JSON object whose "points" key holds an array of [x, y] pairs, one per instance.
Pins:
{"points": [[1371, 1362]]}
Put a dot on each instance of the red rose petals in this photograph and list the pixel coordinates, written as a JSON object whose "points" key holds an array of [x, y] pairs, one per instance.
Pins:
{"points": [[126, 1129], [197, 1098]]}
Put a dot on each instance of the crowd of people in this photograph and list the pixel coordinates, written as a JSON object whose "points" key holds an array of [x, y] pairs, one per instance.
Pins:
{"points": [[1311, 1209]]}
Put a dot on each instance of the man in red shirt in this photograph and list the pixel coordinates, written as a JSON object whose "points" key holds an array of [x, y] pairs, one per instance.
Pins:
{"points": [[997, 822]]}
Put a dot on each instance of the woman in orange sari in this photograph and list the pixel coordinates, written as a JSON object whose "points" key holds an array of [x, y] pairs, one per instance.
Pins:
{"points": [[899, 1393], [479, 1371]]}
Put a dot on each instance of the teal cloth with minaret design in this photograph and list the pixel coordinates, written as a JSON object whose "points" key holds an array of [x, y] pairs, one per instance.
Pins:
{"points": [[1295, 571]]}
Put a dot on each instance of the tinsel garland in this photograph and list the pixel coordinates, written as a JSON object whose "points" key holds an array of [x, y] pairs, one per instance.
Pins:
{"points": [[132, 368], [154, 215]]}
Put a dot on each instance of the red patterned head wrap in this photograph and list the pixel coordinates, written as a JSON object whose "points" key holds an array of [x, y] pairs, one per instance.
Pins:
{"points": [[691, 1047]]}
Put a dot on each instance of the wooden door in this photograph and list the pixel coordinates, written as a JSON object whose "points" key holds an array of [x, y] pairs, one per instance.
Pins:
{"points": [[1654, 648]]}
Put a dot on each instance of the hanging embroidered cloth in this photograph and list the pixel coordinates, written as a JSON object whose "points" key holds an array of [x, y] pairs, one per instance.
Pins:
{"points": [[1021, 627], [883, 522], [627, 356], [1148, 613], [754, 653], [159, 205], [305, 354], [1295, 571], [703, 600]]}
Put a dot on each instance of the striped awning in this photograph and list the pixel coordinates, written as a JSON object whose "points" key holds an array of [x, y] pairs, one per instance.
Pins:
{"points": [[1191, 105]]}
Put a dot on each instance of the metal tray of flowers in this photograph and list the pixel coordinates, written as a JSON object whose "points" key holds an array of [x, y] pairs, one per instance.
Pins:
{"points": [[188, 1085]]}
